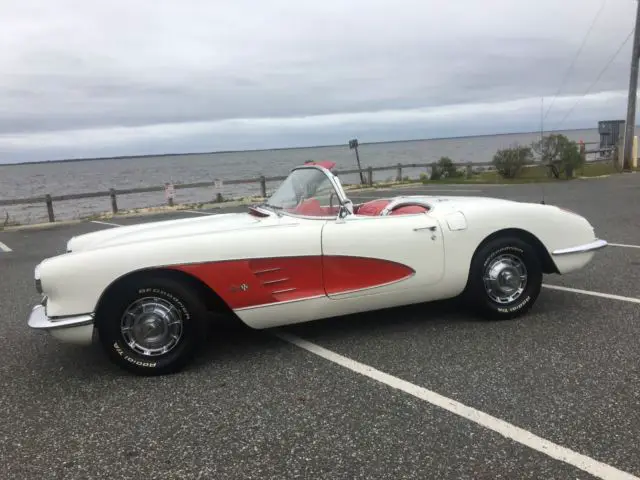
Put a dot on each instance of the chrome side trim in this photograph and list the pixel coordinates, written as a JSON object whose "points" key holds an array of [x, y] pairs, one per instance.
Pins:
{"points": [[267, 270], [38, 320], [271, 282], [587, 247], [279, 304], [285, 290], [373, 287]]}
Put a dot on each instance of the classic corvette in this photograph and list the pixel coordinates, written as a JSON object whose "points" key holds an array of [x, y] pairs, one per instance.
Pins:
{"points": [[149, 293]]}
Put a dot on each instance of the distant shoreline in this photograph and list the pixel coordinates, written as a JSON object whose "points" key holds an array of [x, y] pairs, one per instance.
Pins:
{"points": [[221, 152]]}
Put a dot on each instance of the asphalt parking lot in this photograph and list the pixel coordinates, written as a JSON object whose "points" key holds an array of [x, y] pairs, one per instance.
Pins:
{"points": [[556, 393]]}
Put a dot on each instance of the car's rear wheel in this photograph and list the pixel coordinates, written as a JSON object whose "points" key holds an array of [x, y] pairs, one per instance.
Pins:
{"points": [[152, 326], [505, 278]]}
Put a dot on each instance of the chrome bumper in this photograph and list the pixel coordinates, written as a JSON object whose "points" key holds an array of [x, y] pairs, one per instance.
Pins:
{"points": [[587, 247], [38, 320]]}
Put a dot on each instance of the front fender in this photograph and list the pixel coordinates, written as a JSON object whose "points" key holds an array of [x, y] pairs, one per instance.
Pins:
{"points": [[74, 282]]}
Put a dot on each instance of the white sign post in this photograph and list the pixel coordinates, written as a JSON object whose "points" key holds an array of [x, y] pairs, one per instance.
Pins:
{"points": [[169, 193]]}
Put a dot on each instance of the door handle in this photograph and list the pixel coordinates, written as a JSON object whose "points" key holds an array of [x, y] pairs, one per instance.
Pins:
{"points": [[432, 228]]}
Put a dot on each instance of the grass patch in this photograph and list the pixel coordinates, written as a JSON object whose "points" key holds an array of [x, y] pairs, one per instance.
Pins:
{"points": [[596, 169], [531, 175], [528, 175]]}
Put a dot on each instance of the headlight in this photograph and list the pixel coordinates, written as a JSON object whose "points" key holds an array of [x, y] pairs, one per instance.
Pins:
{"points": [[36, 275]]}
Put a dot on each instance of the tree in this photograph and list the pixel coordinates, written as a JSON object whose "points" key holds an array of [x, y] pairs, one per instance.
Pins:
{"points": [[510, 161], [559, 153]]}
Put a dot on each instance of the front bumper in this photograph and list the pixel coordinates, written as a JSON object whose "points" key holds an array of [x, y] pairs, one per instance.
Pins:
{"points": [[77, 329], [597, 244]]}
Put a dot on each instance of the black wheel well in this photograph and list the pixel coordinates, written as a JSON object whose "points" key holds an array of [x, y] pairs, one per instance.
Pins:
{"points": [[214, 303], [547, 263]]}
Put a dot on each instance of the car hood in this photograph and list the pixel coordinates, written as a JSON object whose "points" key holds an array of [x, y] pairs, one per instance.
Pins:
{"points": [[165, 229]]}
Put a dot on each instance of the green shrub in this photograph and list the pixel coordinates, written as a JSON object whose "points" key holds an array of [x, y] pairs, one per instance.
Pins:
{"points": [[509, 162], [448, 169], [558, 151], [445, 168]]}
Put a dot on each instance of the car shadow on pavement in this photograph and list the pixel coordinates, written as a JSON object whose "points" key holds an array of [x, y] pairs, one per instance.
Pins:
{"points": [[232, 342], [235, 341], [443, 312]]}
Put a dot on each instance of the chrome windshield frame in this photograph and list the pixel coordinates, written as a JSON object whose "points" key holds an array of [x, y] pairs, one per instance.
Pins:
{"points": [[337, 187]]}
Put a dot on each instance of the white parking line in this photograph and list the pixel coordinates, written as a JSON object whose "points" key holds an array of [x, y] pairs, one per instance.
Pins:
{"points": [[593, 294], [5, 248], [517, 434], [623, 245], [196, 211], [107, 223]]}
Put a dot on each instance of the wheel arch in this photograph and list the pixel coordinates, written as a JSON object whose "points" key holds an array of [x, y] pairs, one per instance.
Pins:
{"points": [[547, 263], [212, 300]]}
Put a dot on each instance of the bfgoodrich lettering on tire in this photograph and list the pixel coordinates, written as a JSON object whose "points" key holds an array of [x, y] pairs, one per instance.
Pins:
{"points": [[152, 326], [505, 278]]}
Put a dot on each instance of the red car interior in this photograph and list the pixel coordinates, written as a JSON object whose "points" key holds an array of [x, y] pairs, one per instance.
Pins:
{"points": [[375, 207], [312, 208]]}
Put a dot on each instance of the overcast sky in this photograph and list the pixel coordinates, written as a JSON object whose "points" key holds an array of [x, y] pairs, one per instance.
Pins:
{"points": [[87, 78]]}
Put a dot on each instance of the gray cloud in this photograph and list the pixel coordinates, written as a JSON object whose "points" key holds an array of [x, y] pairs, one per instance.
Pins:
{"points": [[112, 78]]}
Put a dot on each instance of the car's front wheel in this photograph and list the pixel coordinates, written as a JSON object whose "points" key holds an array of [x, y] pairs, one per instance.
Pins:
{"points": [[505, 278], [152, 326]]}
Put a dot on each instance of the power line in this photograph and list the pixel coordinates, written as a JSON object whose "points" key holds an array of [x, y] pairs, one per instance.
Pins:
{"points": [[584, 41], [598, 78]]}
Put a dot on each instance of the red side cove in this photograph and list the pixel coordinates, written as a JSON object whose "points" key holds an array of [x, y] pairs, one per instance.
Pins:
{"points": [[344, 274], [264, 281]]}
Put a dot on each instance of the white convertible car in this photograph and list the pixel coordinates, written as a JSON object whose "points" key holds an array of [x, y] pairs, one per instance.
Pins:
{"points": [[149, 292]]}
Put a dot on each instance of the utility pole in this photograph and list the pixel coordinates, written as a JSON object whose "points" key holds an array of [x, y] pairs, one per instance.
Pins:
{"points": [[633, 89]]}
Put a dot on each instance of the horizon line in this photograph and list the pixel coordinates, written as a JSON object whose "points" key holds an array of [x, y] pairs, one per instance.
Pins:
{"points": [[275, 149]]}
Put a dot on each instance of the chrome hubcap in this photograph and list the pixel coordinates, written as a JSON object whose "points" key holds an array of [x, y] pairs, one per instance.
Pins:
{"points": [[151, 326], [505, 278]]}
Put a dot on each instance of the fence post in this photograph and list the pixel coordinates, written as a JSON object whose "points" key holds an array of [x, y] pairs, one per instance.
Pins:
{"points": [[399, 173], [114, 202], [49, 202], [263, 186], [370, 175]]}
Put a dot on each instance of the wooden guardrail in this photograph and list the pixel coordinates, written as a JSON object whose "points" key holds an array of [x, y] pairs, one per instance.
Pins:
{"points": [[113, 193]]}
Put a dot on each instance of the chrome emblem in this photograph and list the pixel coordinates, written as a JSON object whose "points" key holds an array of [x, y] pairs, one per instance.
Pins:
{"points": [[244, 287]]}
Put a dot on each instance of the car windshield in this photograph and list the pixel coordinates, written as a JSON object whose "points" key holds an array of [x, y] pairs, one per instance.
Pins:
{"points": [[308, 192]]}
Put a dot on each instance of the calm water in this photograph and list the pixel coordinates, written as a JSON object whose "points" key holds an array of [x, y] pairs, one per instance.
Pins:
{"points": [[20, 181]]}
